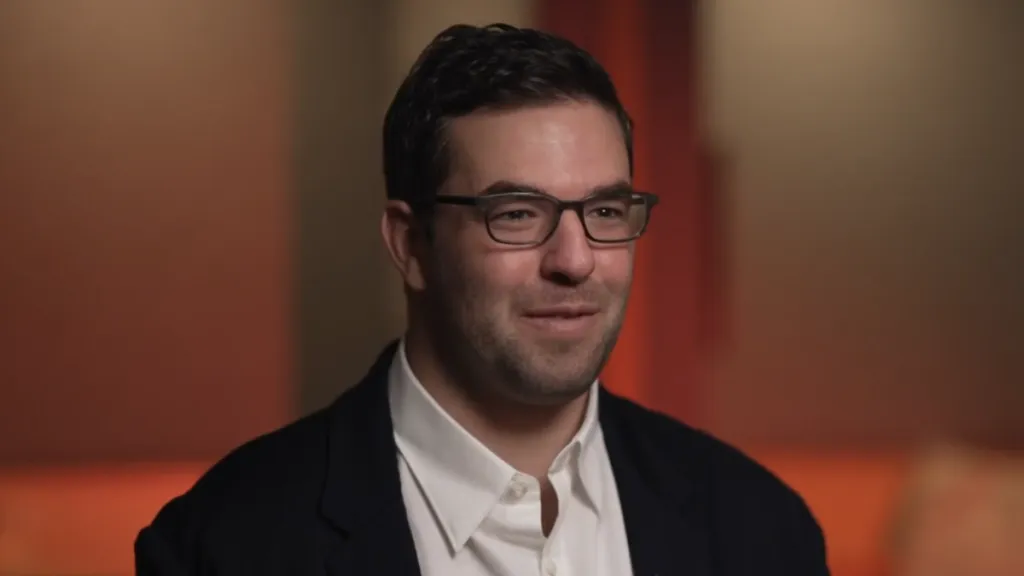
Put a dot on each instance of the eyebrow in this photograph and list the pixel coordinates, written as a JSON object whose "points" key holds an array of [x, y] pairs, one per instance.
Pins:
{"points": [[507, 186]]}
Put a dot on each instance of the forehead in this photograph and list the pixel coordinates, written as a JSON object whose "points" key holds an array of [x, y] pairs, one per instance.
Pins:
{"points": [[565, 148]]}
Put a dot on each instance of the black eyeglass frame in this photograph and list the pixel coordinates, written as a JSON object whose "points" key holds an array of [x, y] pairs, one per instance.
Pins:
{"points": [[647, 199]]}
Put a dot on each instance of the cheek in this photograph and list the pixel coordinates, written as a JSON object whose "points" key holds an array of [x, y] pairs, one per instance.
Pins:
{"points": [[614, 266], [479, 275], [506, 272]]}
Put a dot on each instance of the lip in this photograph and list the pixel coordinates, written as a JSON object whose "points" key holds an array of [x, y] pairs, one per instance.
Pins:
{"points": [[562, 321], [562, 312]]}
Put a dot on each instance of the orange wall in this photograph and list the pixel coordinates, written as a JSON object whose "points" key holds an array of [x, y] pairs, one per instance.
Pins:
{"points": [[144, 228], [67, 520]]}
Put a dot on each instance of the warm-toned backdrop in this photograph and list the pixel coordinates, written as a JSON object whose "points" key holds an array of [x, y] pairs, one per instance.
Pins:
{"points": [[188, 255]]}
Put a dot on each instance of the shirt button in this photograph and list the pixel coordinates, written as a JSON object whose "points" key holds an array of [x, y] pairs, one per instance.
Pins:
{"points": [[516, 490]]}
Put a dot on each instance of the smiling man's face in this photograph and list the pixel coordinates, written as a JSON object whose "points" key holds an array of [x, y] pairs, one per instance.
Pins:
{"points": [[535, 324]]}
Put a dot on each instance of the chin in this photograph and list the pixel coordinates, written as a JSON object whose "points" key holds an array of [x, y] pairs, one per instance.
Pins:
{"points": [[552, 395], [559, 385], [543, 371]]}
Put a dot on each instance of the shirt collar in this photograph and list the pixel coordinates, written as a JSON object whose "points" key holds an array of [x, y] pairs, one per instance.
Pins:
{"points": [[461, 478]]}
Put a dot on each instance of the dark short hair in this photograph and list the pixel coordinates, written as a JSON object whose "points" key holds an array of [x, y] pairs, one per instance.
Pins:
{"points": [[468, 68]]}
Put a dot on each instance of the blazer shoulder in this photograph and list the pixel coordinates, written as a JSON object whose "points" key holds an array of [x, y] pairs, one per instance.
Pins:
{"points": [[734, 487], [752, 513], [268, 495], [288, 454], [261, 483]]}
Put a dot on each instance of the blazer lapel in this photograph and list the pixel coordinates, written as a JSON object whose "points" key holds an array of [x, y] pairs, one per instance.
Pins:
{"points": [[362, 496], [665, 535]]}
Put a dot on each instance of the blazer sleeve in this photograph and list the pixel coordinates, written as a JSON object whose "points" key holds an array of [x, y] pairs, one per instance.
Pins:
{"points": [[154, 556], [159, 547], [809, 555]]}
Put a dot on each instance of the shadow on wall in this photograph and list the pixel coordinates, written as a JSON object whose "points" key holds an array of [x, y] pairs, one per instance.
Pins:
{"points": [[346, 298], [351, 58]]}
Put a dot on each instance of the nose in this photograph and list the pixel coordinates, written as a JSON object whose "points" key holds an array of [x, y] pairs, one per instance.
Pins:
{"points": [[568, 256]]}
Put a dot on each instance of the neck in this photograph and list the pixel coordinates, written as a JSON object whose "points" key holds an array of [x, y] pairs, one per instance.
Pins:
{"points": [[527, 437]]}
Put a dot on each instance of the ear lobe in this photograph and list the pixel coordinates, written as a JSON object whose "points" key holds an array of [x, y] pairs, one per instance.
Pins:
{"points": [[398, 229]]}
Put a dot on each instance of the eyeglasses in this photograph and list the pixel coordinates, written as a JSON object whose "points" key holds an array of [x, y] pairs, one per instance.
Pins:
{"points": [[531, 218]]}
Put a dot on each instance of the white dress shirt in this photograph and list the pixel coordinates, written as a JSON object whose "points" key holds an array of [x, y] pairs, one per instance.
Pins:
{"points": [[471, 513]]}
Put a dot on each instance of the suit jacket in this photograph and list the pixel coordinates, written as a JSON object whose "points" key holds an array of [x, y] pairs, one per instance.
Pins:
{"points": [[322, 496]]}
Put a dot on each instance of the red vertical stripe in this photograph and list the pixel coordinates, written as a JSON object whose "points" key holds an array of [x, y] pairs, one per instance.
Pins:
{"points": [[621, 48], [648, 48], [681, 227]]}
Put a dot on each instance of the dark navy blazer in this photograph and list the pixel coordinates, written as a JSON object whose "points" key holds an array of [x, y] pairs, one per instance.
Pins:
{"points": [[322, 496]]}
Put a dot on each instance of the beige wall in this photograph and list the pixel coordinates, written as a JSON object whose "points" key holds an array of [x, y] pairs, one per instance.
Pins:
{"points": [[878, 238], [342, 310], [412, 25]]}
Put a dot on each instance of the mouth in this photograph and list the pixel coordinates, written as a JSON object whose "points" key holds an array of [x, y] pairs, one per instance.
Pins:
{"points": [[563, 321]]}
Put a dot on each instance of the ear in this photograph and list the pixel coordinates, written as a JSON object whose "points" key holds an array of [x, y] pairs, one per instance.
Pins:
{"points": [[399, 230]]}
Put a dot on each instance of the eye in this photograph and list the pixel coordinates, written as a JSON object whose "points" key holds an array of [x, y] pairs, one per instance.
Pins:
{"points": [[607, 212], [609, 209], [515, 210], [514, 214]]}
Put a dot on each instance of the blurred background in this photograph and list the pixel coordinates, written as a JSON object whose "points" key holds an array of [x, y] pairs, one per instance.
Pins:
{"points": [[834, 280]]}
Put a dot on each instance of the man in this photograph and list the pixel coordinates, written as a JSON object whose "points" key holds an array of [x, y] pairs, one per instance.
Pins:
{"points": [[482, 442]]}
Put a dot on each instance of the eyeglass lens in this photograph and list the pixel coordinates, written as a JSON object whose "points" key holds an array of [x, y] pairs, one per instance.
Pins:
{"points": [[530, 219]]}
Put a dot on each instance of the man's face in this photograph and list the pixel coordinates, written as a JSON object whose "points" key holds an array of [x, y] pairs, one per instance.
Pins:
{"points": [[533, 324]]}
